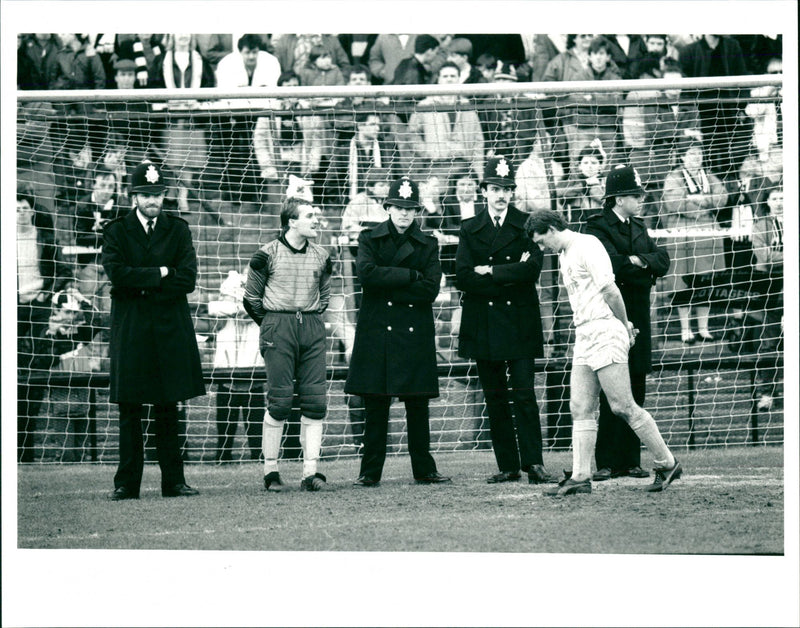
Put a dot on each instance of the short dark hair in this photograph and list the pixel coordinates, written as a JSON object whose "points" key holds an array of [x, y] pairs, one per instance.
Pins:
{"points": [[447, 64], [423, 43], [541, 220], [254, 42], [600, 43], [356, 68], [671, 65], [101, 170], [291, 210], [486, 60], [25, 193], [361, 117], [317, 51], [288, 76]]}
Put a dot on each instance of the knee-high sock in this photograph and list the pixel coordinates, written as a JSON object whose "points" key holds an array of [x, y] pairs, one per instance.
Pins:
{"points": [[271, 442], [642, 422], [311, 442], [584, 437]]}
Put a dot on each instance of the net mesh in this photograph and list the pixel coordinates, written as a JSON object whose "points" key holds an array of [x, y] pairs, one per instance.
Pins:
{"points": [[231, 161]]}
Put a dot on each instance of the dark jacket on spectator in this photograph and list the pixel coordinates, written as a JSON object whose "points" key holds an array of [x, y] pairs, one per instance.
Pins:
{"points": [[285, 45], [411, 72], [70, 69], [698, 59]]}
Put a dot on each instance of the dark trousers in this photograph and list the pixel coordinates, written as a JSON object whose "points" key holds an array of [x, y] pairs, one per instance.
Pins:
{"points": [[29, 402], [518, 448], [230, 403], [376, 429], [618, 448], [131, 445]]}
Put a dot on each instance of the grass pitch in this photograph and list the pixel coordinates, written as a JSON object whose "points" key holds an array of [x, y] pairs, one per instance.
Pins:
{"points": [[728, 502]]}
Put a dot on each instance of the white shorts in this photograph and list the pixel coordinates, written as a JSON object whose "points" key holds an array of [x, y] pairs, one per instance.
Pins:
{"points": [[600, 343]]}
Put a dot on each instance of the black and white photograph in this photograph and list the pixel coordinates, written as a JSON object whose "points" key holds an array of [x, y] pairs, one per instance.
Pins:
{"points": [[358, 328]]}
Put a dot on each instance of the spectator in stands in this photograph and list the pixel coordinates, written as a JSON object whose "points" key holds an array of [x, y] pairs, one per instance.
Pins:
{"points": [[487, 65], [231, 142], [768, 239], [145, 50], [40, 272], [357, 47], [582, 193], [288, 143], [36, 153], [692, 198], [459, 52], [619, 47], [445, 131], [462, 198], [415, 70], [386, 54], [653, 48], [151, 262], [766, 115], [538, 176], [214, 47], [637, 262], [504, 123], [720, 110], [497, 267], [34, 52], [394, 353], [368, 148], [75, 65], [539, 51], [365, 210], [292, 51], [594, 116], [320, 70], [287, 292], [249, 66], [237, 348], [94, 211], [573, 63]]}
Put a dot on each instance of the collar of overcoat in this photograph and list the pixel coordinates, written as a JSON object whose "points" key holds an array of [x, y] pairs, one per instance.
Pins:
{"points": [[381, 231], [134, 227], [484, 229], [638, 228]]}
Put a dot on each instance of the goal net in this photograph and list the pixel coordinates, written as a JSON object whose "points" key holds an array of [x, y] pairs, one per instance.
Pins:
{"points": [[708, 152]]}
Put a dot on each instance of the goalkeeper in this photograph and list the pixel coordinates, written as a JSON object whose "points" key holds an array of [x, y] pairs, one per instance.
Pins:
{"points": [[600, 359], [287, 290]]}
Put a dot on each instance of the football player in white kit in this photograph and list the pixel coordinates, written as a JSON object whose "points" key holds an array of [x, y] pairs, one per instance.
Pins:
{"points": [[600, 359]]}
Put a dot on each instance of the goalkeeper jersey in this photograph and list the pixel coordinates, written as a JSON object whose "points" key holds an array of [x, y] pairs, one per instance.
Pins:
{"points": [[284, 279]]}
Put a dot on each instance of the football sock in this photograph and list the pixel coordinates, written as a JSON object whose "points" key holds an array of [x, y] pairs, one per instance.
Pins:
{"points": [[646, 429], [584, 437], [273, 432], [311, 442]]}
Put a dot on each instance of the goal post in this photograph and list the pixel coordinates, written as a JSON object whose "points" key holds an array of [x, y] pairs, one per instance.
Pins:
{"points": [[232, 154]]}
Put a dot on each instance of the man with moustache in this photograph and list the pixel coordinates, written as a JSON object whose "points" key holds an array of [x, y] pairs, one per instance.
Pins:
{"points": [[152, 265], [501, 329]]}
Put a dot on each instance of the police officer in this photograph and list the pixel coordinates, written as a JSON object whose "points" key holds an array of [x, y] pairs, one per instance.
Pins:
{"points": [[637, 262], [497, 266], [394, 354], [151, 263]]}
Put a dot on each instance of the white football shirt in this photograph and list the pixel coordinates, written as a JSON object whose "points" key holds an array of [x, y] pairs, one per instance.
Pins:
{"points": [[586, 270]]}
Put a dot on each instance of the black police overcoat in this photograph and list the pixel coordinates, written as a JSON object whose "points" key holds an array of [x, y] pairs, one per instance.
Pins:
{"points": [[395, 345], [500, 319], [153, 349]]}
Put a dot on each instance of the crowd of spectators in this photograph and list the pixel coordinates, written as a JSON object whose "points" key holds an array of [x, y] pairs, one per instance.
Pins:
{"points": [[709, 158]]}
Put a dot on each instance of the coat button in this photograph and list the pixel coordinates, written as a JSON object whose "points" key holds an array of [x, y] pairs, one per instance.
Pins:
{"points": [[410, 305], [389, 303], [410, 329], [388, 328], [508, 257], [508, 302], [491, 259], [490, 303]]}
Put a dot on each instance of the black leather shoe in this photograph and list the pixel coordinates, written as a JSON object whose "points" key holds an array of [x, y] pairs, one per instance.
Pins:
{"points": [[368, 482], [637, 472], [504, 476], [178, 490], [537, 474], [601, 475], [121, 493], [433, 478]]}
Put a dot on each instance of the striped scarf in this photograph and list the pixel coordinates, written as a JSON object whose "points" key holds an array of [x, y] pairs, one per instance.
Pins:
{"points": [[352, 169]]}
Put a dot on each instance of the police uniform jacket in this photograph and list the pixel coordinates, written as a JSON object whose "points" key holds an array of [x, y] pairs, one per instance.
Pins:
{"points": [[395, 351], [153, 350], [634, 282], [500, 318]]}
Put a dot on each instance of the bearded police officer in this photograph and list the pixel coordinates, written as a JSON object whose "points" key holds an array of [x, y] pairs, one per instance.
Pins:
{"points": [[501, 329], [395, 352], [151, 263], [637, 262]]}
